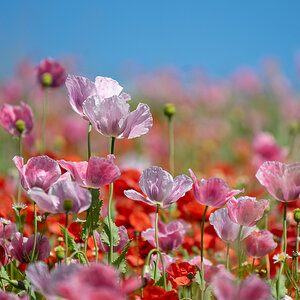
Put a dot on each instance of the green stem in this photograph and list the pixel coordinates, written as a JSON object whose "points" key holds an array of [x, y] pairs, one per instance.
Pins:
{"points": [[267, 259], [171, 141], [137, 236], [253, 261], [111, 191], [156, 240], [66, 238], [96, 246], [239, 251], [81, 253], [35, 233], [20, 186], [89, 140], [42, 150], [284, 249], [227, 257], [297, 249], [202, 267]]}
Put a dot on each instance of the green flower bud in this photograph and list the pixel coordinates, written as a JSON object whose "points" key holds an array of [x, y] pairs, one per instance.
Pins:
{"points": [[60, 239], [297, 215], [169, 110], [20, 125], [47, 79], [60, 253], [68, 204], [293, 128]]}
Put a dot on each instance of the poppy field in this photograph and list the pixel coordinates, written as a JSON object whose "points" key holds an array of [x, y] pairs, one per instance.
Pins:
{"points": [[178, 188]]}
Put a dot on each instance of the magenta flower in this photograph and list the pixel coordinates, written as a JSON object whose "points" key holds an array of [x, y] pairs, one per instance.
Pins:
{"points": [[10, 230], [281, 181], [60, 192], [123, 240], [170, 236], [50, 73], [46, 283], [11, 296], [112, 118], [224, 287], [5, 253], [259, 244], [227, 230], [160, 188], [97, 281], [22, 247], [80, 88], [11, 114], [246, 211], [212, 192], [266, 149], [95, 173], [40, 171], [209, 269]]}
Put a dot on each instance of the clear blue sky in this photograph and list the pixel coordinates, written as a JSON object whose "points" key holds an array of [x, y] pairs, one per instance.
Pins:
{"points": [[219, 36]]}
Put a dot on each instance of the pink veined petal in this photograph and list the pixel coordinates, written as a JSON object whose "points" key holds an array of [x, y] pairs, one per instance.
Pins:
{"points": [[254, 288], [181, 185], [43, 200], [19, 162], [100, 172], [125, 96], [76, 169], [134, 195], [79, 89], [38, 275], [223, 286], [156, 183], [136, 123], [42, 171], [107, 87]]}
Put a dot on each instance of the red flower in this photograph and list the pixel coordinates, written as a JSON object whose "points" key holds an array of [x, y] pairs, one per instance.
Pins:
{"points": [[155, 292], [182, 272]]}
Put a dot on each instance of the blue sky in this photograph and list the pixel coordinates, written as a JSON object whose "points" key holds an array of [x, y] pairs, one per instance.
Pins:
{"points": [[103, 36]]}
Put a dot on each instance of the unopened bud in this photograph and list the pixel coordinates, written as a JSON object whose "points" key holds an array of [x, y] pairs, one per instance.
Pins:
{"points": [[20, 125], [297, 215], [60, 253], [169, 110]]}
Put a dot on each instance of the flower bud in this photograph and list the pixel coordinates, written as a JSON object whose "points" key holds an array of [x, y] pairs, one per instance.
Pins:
{"points": [[60, 253], [293, 128], [47, 79], [297, 215], [20, 125], [169, 110], [68, 204], [60, 239]]}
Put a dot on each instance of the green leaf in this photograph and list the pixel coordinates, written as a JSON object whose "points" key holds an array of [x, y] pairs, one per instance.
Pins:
{"points": [[282, 288], [106, 233], [198, 279], [93, 215], [4, 275], [208, 293], [160, 281], [71, 243], [121, 257]]}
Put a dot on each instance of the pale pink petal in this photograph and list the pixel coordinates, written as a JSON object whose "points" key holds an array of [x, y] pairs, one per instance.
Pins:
{"points": [[76, 169], [43, 200], [107, 87], [134, 195], [19, 162]]}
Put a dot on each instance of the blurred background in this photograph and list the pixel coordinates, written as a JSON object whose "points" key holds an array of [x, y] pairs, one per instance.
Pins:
{"points": [[231, 68]]}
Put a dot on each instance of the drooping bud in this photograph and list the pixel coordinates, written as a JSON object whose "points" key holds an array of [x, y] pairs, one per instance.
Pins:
{"points": [[47, 79], [68, 204], [169, 110], [20, 125], [297, 215]]}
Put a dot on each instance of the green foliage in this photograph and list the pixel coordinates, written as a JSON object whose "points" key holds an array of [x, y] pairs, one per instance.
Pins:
{"points": [[282, 288], [93, 215], [120, 261], [106, 233]]}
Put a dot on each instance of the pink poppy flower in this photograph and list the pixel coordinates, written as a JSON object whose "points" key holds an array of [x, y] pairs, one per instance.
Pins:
{"points": [[281, 181], [123, 240], [5, 253], [22, 247], [259, 244], [10, 230], [212, 192], [95, 173], [40, 171], [227, 230], [209, 269], [112, 118], [58, 194], [266, 149], [160, 188], [50, 73], [168, 260], [11, 114], [89, 281], [224, 287], [246, 211], [80, 88], [10, 296], [170, 236], [45, 282]]}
